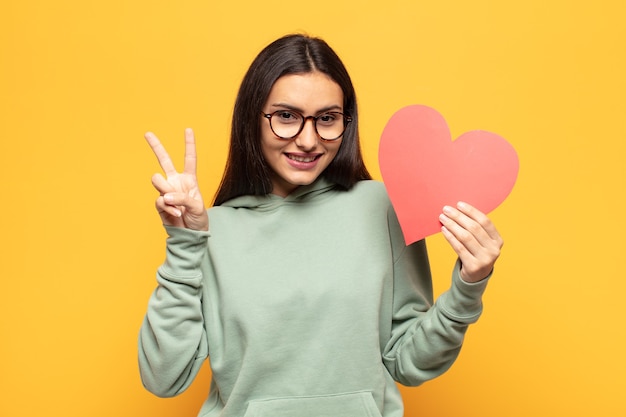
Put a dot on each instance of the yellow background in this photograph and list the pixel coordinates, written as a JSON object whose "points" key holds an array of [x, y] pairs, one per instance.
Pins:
{"points": [[80, 82]]}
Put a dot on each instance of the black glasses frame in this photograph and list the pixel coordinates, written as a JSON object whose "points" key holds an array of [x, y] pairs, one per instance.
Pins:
{"points": [[346, 119]]}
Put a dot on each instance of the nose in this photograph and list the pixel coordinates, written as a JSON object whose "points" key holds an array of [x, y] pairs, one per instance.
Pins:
{"points": [[308, 138]]}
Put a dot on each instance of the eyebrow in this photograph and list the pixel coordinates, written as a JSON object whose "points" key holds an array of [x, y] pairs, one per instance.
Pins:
{"points": [[332, 107]]}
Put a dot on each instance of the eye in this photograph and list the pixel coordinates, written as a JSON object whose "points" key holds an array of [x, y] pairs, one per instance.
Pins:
{"points": [[286, 117], [328, 118]]}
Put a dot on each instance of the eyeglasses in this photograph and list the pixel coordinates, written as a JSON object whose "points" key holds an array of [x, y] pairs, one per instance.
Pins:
{"points": [[287, 124]]}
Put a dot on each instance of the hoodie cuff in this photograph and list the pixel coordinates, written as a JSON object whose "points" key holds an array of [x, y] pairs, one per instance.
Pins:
{"points": [[185, 250], [463, 301]]}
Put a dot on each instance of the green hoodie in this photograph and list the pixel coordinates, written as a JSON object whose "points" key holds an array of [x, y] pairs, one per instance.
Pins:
{"points": [[308, 305]]}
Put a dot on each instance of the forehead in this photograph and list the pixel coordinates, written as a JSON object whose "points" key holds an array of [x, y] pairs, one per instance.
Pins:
{"points": [[308, 92]]}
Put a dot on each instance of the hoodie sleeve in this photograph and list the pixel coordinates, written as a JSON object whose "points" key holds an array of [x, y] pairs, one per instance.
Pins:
{"points": [[172, 339], [426, 336]]}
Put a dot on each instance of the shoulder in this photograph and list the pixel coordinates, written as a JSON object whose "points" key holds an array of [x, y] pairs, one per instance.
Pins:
{"points": [[366, 195], [371, 190]]}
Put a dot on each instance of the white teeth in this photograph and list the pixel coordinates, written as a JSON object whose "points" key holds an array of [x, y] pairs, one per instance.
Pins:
{"points": [[301, 158]]}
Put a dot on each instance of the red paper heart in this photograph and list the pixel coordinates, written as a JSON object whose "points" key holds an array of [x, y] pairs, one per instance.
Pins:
{"points": [[423, 169]]}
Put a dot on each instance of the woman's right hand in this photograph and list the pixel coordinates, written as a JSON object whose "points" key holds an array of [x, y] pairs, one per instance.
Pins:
{"points": [[179, 203]]}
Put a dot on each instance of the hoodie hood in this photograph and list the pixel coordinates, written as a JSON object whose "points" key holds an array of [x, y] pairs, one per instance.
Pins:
{"points": [[270, 201]]}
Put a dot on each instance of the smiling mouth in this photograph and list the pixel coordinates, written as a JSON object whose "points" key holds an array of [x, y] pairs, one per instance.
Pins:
{"points": [[301, 158]]}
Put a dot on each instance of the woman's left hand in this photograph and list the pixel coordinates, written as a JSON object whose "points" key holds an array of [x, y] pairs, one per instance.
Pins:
{"points": [[473, 237]]}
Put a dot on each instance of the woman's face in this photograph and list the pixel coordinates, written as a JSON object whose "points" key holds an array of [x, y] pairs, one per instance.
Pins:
{"points": [[301, 160]]}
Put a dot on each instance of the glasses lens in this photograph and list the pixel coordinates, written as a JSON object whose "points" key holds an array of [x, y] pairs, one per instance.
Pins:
{"points": [[287, 124], [330, 125]]}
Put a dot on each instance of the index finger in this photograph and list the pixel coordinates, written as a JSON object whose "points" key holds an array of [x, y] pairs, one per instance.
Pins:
{"points": [[190, 152], [480, 218], [164, 159]]}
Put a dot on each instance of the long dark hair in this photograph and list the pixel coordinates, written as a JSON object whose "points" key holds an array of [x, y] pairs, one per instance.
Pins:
{"points": [[247, 172]]}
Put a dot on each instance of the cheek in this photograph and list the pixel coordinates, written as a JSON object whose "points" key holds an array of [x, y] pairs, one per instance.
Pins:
{"points": [[269, 142], [266, 150], [271, 149], [333, 149]]}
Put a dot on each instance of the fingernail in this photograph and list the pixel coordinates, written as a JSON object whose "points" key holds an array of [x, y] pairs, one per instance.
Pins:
{"points": [[461, 205], [447, 209], [168, 198]]}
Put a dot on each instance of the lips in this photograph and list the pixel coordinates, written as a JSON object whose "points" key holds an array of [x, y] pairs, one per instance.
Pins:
{"points": [[302, 158], [302, 161]]}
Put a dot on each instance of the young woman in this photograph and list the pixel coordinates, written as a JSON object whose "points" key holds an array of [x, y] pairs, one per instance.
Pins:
{"points": [[297, 284]]}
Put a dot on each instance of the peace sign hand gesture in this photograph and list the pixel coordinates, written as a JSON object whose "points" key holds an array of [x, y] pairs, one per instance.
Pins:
{"points": [[179, 203]]}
